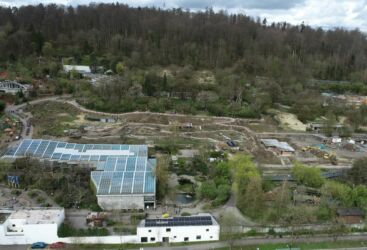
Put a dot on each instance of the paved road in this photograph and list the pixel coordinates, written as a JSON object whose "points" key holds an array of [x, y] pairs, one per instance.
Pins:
{"points": [[259, 241]]}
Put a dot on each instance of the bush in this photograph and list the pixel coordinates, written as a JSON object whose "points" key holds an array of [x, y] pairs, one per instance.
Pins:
{"points": [[32, 194], [185, 214], [16, 192], [67, 231], [308, 176]]}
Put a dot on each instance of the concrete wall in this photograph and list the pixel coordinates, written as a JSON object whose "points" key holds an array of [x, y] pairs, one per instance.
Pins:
{"points": [[178, 234], [101, 240], [31, 233], [112, 202]]}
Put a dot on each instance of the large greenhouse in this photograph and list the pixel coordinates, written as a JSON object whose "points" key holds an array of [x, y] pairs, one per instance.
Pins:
{"points": [[123, 175]]}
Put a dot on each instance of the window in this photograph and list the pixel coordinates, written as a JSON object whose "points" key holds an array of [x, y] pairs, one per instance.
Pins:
{"points": [[152, 239], [207, 229], [211, 237], [144, 239], [175, 237], [198, 237], [186, 239], [149, 231], [168, 229]]}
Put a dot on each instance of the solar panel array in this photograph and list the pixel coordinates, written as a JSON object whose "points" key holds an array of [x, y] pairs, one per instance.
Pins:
{"points": [[180, 221], [121, 169]]}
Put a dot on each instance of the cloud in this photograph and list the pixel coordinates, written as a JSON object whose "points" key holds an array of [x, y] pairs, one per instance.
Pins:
{"points": [[328, 13]]}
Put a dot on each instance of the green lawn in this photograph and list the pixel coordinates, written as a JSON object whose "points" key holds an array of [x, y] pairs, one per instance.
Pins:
{"points": [[305, 246]]}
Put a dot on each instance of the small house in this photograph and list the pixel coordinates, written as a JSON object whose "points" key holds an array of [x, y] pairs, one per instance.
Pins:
{"points": [[352, 215], [81, 69], [279, 147]]}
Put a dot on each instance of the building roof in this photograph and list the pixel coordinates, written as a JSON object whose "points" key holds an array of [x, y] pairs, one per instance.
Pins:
{"points": [[195, 220], [351, 211], [121, 169], [78, 68], [284, 146], [130, 175], [63, 151], [37, 216], [188, 153]]}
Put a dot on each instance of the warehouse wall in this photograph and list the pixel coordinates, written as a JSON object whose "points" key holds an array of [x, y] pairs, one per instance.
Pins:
{"points": [[112, 202]]}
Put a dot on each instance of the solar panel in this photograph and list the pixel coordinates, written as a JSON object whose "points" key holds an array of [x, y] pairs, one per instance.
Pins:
{"points": [[180, 221]]}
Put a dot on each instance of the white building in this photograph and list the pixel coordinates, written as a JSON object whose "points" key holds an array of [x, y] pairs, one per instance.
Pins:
{"points": [[201, 227], [30, 225], [81, 69]]}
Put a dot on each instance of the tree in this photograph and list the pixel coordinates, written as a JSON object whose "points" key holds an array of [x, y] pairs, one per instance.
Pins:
{"points": [[359, 196], [120, 68], [206, 97], [47, 49], [229, 227], [337, 191], [309, 176], [358, 173], [252, 200], [208, 190], [2, 106], [161, 173]]}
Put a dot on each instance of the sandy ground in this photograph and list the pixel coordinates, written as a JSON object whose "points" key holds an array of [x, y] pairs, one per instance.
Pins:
{"points": [[288, 120]]}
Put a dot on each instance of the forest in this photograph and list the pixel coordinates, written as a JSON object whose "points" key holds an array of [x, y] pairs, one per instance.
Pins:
{"points": [[175, 60], [105, 34]]}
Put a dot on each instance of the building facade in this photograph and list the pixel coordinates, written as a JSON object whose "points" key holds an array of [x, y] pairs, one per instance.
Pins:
{"points": [[201, 227], [27, 226]]}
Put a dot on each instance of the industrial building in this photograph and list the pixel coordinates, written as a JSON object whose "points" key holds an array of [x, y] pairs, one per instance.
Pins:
{"points": [[27, 226], [123, 174], [201, 227]]}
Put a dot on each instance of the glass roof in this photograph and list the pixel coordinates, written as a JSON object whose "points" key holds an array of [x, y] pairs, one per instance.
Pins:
{"points": [[121, 169]]}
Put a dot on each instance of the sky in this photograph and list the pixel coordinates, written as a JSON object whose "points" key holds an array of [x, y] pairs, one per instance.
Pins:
{"points": [[348, 14]]}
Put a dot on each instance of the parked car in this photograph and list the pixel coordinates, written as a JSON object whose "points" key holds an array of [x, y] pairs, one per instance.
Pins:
{"points": [[57, 245], [38, 245]]}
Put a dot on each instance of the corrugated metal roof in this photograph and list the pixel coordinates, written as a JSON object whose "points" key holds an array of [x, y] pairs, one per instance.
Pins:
{"points": [[277, 144]]}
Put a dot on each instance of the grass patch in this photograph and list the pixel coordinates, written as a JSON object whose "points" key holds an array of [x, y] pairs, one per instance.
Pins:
{"points": [[52, 118], [303, 246]]}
